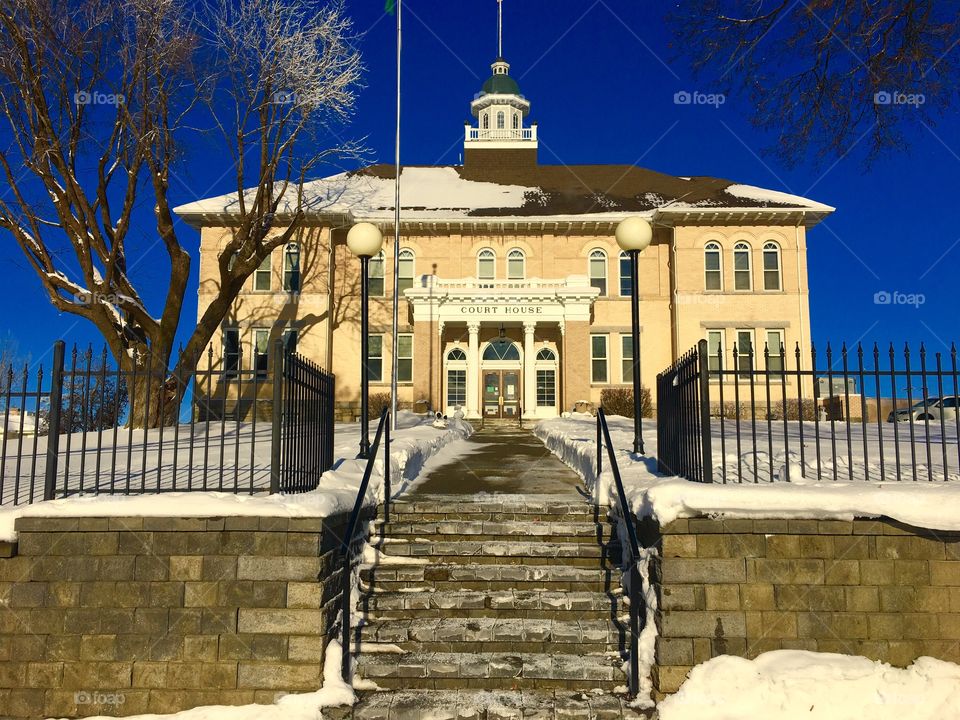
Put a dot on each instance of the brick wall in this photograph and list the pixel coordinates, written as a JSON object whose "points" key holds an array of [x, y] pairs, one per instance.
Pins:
{"points": [[742, 587], [123, 616]]}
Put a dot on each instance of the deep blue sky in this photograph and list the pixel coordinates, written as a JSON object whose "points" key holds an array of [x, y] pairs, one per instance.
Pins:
{"points": [[601, 81]]}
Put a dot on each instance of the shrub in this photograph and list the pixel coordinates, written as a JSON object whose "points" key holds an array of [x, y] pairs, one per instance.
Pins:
{"points": [[619, 401], [793, 410], [376, 404]]}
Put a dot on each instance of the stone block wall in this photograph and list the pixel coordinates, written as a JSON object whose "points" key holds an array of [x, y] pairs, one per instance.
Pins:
{"points": [[875, 588], [122, 616]]}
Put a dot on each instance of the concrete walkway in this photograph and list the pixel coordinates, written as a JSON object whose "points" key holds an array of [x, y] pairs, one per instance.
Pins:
{"points": [[504, 460]]}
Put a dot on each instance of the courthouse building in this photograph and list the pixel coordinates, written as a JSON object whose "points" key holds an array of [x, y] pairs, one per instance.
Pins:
{"points": [[514, 297]]}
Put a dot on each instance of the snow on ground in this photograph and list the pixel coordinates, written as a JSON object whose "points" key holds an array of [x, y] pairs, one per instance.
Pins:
{"points": [[412, 445], [796, 684], [573, 439]]}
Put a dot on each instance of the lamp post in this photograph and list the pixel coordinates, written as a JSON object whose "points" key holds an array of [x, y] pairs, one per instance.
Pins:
{"points": [[634, 235], [364, 240]]}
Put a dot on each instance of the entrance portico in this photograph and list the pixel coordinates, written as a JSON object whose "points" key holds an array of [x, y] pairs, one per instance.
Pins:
{"points": [[514, 334]]}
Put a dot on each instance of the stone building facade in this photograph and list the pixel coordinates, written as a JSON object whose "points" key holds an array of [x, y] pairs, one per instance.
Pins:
{"points": [[514, 297]]}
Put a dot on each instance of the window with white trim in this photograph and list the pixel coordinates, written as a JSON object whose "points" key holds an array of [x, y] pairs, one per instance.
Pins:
{"points": [[375, 276], [290, 338], [405, 358], [486, 264], [456, 378], [261, 350], [772, 279], [262, 275], [501, 120], [745, 362], [546, 378], [713, 266], [626, 357], [375, 357], [231, 351], [715, 345], [742, 267], [406, 269], [516, 265], [776, 347], [598, 270], [626, 276], [598, 359]]}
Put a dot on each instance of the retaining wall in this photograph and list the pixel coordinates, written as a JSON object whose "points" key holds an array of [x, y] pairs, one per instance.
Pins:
{"points": [[121, 616], [876, 588]]}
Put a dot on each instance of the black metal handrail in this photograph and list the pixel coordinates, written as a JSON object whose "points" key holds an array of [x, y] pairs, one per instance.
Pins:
{"points": [[603, 439], [383, 430]]}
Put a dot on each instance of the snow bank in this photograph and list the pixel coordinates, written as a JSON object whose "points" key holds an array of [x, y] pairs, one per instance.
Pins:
{"points": [[795, 684], [573, 440], [412, 445]]}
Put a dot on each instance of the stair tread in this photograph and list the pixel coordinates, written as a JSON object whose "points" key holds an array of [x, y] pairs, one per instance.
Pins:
{"points": [[491, 629], [491, 571], [499, 548], [492, 665]]}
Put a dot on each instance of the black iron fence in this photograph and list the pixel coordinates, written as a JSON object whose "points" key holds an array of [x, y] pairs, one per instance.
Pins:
{"points": [[83, 425], [864, 414]]}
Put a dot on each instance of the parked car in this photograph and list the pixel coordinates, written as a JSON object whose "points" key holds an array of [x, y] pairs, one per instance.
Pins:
{"points": [[928, 409]]}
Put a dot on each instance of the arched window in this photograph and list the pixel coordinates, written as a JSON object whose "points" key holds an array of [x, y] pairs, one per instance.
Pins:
{"points": [[406, 269], [375, 276], [486, 264], [598, 270], [742, 267], [771, 267], [516, 265], [516, 121], [502, 349], [546, 372], [626, 276], [486, 121], [501, 120], [548, 355], [456, 378], [713, 266]]}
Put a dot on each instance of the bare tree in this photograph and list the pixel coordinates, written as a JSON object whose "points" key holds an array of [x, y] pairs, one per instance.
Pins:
{"points": [[827, 75], [100, 97]]}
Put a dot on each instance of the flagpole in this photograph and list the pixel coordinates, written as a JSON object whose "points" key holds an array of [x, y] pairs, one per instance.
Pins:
{"points": [[396, 235]]}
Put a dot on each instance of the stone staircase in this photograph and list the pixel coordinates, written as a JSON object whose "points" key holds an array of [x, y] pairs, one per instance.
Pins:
{"points": [[504, 607]]}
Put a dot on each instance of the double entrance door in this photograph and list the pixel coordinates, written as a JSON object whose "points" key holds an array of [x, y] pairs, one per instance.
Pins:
{"points": [[501, 393]]}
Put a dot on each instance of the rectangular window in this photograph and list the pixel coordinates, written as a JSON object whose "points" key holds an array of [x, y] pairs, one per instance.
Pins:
{"points": [[774, 343], [771, 269], [741, 270], [375, 284], [405, 358], [515, 269], [598, 271], [405, 271], [486, 266], [231, 351], [546, 388], [598, 358], [626, 356], [262, 275], [375, 358], [290, 337], [456, 388], [714, 350], [713, 275], [626, 276], [261, 347], [745, 352]]}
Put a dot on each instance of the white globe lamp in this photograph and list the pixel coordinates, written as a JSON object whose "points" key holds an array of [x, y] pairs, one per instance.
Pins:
{"points": [[365, 240], [634, 234]]}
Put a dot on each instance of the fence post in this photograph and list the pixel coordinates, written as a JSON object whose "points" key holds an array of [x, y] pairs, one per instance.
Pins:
{"points": [[53, 422], [599, 447], [275, 434], [706, 439], [386, 470]]}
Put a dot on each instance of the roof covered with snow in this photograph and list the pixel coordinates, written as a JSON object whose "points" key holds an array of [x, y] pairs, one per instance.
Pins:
{"points": [[529, 194]]}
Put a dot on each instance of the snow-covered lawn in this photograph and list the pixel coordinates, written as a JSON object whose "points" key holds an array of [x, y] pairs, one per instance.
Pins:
{"points": [[800, 685], [412, 445], [573, 439]]}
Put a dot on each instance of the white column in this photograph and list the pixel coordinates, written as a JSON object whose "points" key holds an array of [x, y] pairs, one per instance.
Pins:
{"points": [[529, 374], [473, 371]]}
